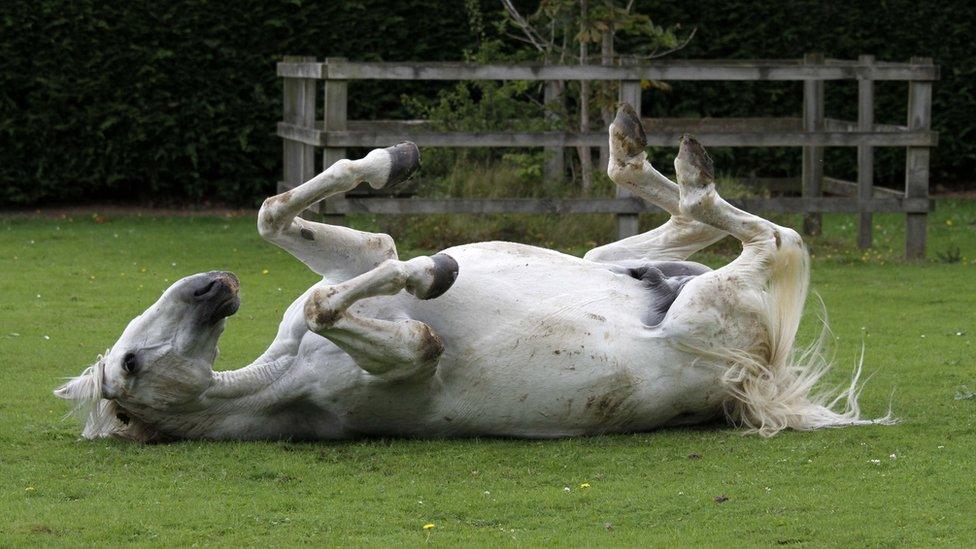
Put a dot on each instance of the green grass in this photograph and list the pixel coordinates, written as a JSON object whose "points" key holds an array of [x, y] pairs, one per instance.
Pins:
{"points": [[68, 286]]}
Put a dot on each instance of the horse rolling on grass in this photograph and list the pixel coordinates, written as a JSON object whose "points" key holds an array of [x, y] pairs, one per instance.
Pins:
{"points": [[486, 339]]}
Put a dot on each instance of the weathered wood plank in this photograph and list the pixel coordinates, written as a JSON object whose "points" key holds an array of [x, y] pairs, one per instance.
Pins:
{"points": [[865, 155], [610, 205], [298, 110], [630, 92], [676, 69], [842, 187], [334, 118], [571, 139], [831, 185], [813, 121], [554, 101], [669, 125], [917, 164], [293, 69]]}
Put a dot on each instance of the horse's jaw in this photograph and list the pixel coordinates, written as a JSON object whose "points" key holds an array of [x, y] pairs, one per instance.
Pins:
{"points": [[234, 406]]}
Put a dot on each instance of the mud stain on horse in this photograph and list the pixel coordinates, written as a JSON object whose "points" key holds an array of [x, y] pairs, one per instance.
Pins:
{"points": [[608, 406], [431, 345]]}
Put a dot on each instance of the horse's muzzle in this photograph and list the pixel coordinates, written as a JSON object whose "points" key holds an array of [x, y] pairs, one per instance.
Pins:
{"points": [[217, 291]]}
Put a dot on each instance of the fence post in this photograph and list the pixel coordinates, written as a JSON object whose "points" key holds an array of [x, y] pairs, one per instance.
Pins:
{"points": [[813, 121], [298, 107], [630, 92], [555, 163], [865, 153], [335, 102], [917, 162]]}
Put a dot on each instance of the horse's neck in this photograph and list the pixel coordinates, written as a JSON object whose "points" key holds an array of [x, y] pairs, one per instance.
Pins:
{"points": [[250, 382], [238, 405]]}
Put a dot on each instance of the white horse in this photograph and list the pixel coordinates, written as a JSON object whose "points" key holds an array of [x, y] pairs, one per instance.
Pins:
{"points": [[495, 338]]}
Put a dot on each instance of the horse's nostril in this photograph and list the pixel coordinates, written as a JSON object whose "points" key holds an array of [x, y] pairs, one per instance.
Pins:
{"points": [[205, 290]]}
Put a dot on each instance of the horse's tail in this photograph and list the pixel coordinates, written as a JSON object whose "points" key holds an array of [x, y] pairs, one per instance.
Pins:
{"points": [[772, 387]]}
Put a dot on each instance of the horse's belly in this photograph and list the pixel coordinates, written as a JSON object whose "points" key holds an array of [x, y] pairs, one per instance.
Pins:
{"points": [[542, 344]]}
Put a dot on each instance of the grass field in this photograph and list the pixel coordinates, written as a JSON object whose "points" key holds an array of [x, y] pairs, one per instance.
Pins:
{"points": [[68, 286]]}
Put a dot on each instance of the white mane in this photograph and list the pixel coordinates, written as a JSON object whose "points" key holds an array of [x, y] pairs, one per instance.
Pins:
{"points": [[100, 415]]}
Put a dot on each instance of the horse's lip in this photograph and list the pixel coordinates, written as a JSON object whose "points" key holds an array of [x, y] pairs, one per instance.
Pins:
{"points": [[226, 308]]}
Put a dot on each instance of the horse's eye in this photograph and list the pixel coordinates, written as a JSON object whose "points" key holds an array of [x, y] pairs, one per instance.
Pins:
{"points": [[130, 363]]}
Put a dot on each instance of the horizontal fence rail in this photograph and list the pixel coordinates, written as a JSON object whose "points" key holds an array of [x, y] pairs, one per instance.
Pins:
{"points": [[609, 205], [302, 135], [830, 69]]}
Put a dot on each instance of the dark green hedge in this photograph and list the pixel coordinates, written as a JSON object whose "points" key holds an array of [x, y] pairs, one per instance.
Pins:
{"points": [[891, 30], [176, 101]]}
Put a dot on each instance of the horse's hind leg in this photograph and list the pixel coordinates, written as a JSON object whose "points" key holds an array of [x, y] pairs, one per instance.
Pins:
{"points": [[730, 307], [336, 253], [699, 201], [676, 239], [397, 348], [745, 315]]}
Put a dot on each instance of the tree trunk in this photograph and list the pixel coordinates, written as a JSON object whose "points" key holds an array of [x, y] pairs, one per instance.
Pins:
{"points": [[586, 161]]}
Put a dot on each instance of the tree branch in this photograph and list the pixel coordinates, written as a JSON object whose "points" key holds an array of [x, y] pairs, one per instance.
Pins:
{"points": [[533, 35]]}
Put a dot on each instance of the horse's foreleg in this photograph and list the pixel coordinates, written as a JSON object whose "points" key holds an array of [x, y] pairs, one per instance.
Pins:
{"points": [[676, 239], [393, 348], [337, 253]]}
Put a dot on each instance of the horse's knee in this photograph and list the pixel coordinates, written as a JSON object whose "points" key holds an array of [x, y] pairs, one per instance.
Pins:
{"points": [[320, 313], [270, 221], [383, 246]]}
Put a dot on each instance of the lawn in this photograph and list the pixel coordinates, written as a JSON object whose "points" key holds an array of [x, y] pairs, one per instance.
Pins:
{"points": [[68, 286]]}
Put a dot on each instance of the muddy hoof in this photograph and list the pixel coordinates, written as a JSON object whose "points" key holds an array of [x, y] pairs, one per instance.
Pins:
{"points": [[445, 273], [405, 158], [627, 128], [694, 154]]}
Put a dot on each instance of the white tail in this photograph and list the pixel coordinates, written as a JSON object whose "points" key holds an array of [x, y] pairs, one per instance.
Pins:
{"points": [[772, 386]]}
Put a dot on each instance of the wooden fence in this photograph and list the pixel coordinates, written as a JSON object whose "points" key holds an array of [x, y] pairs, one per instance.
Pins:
{"points": [[303, 134]]}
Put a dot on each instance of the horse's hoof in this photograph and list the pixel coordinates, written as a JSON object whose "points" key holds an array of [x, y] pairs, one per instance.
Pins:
{"points": [[692, 154], [445, 273], [404, 162], [629, 131]]}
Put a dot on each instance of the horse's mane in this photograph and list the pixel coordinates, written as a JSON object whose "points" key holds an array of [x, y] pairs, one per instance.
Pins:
{"points": [[102, 417]]}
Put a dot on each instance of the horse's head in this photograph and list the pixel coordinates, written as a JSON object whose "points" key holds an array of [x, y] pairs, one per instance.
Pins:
{"points": [[162, 362]]}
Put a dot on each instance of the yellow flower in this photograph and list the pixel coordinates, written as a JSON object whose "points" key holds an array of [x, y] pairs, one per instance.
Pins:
{"points": [[949, 222], [585, 485], [264, 271], [429, 526]]}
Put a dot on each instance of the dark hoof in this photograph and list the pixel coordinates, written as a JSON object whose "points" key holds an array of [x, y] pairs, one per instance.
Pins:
{"points": [[627, 128], [405, 158], [694, 153], [445, 273]]}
